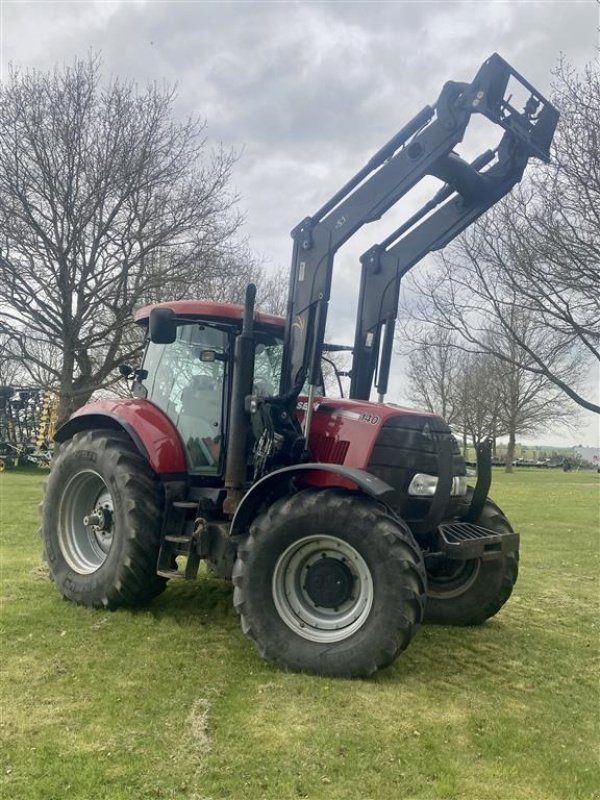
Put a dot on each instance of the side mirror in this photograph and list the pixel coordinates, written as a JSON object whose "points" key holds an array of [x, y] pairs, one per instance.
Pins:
{"points": [[162, 326]]}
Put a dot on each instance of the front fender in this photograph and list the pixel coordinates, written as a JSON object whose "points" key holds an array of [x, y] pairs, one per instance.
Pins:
{"points": [[148, 427], [332, 475]]}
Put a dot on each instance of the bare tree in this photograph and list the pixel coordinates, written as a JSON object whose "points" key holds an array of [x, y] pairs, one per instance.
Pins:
{"points": [[11, 371], [476, 400], [273, 291], [105, 202], [459, 386], [481, 395], [525, 402], [536, 254], [434, 371], [239, 269]]}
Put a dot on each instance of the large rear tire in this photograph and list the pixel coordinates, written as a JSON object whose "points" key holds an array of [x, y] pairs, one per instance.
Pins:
{"points": [[327, 582], [101, 522], [470, 592]]}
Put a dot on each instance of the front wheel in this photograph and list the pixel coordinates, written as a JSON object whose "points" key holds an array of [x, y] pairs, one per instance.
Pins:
{"points": [[469, 592], [327, 582]]}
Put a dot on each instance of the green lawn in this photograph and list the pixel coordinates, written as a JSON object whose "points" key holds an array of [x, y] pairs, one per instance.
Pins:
{"points": [[173, 702]]}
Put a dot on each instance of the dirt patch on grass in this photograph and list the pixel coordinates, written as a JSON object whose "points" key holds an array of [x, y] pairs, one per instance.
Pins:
{"points": [[197, 743], [197, 724]]}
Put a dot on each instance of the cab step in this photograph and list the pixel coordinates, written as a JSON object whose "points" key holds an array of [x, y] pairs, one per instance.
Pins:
{"points": [[179, 538], [170, 573]]}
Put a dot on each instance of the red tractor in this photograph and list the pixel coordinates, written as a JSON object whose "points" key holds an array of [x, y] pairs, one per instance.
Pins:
{"points": [[343, 523]]}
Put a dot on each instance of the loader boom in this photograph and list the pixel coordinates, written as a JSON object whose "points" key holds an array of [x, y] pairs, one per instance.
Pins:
{"points": [[384, 264], [423, 147]]}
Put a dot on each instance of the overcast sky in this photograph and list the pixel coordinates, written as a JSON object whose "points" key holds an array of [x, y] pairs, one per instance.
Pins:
{"points": [[307, 90]]}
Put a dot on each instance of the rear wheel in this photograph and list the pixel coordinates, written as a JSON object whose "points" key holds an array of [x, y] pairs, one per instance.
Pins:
{"points": [[101, 521], [469, 592], [328, 582]]}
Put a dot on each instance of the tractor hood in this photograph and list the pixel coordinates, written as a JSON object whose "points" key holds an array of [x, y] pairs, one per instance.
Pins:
{"points": [[347, 431], [386, 440]]}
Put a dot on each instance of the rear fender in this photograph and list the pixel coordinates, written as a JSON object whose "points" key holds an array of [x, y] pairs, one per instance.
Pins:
{"points": [[321, 475], [147, 426]]}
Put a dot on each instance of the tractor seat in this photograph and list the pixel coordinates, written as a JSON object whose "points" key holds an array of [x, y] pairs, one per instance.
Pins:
{"points": [[202, 398]]}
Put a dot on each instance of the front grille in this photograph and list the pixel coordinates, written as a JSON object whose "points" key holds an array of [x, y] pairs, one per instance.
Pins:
{"points": [[328, 450], [408, 444]]}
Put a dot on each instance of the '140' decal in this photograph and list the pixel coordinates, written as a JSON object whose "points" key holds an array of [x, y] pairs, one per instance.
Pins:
{"points": [[372, 418]]}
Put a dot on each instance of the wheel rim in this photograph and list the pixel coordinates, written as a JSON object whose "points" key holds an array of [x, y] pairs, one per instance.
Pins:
{"points": [[86, 522], [322, 588], [452, 578]]}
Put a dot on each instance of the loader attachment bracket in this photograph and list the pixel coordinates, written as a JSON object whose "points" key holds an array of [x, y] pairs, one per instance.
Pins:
{"points": [[495, 84]]}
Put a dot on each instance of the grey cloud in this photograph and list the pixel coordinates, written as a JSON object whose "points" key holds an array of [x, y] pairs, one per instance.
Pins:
{"points": [[308, 90]]}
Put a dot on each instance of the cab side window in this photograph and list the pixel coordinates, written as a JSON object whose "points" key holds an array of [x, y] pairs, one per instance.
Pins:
{"points": [[268, 356]]}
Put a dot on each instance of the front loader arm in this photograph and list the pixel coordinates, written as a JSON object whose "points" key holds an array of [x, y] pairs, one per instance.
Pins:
{"points": [[389, 175], [384, 265], [469, 191], [423, 147]]}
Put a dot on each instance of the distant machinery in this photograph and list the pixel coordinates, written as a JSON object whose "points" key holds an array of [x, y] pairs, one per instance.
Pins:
{"points": [[28, 417]]}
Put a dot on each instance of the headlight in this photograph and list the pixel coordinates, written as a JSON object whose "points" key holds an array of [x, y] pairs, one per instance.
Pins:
{"points": [[425, 486]]}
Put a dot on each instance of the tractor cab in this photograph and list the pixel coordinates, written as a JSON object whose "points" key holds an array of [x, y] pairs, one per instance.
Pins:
{"points": [[188, 373]]}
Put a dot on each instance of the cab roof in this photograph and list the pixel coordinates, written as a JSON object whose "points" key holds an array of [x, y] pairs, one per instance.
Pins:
{"points": [[204, 309]]}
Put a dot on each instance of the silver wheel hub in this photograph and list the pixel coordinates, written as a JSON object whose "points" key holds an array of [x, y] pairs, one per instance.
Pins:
{"points": [[322, 588], [86, 522]]}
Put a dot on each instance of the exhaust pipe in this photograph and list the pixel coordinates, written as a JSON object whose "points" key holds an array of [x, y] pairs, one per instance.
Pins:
{"points": [[239, 421]]}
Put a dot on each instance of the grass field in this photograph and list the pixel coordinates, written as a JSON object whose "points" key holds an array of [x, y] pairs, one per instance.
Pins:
{"points": [[173, 702]]}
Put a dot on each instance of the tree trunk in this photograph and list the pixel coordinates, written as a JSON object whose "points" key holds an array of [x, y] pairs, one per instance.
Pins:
{"points": [[510, 452], [65, 391]]}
